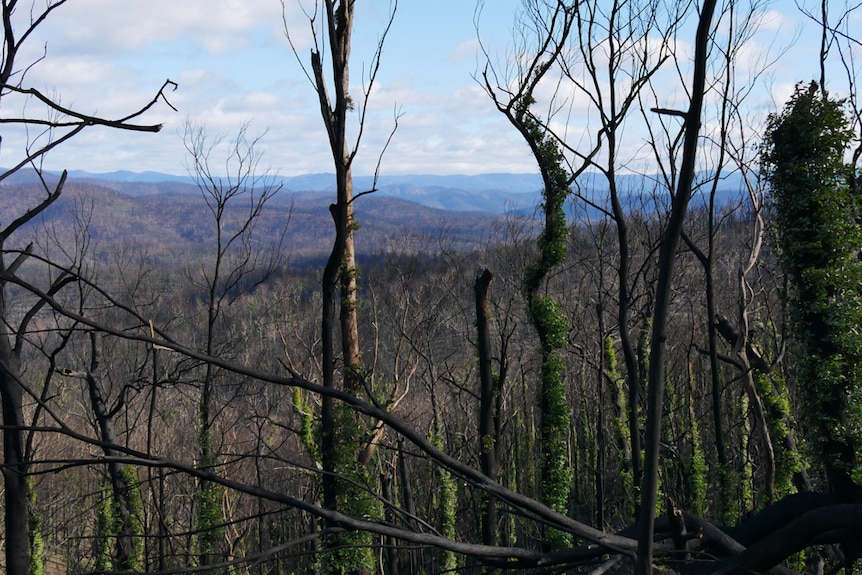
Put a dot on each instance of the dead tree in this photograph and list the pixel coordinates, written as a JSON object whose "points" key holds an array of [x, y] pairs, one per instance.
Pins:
{"points": [[62, 124]]}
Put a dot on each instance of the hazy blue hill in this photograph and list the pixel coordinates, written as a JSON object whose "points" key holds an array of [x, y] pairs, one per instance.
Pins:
{"points": [[127, 176], [174, 227], [459, 199], [511, 183], [493, 193]]}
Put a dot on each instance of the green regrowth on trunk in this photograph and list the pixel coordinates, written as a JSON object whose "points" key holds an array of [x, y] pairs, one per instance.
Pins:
{"points": [[209, 520], [446, 499], [551, 326], [351, 551], [37, 545], [817, 205]]}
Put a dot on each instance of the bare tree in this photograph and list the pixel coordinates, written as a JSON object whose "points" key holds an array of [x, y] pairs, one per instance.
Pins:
{"points": [[488, 407], [667, 259], [729, 148], [241, 261], [58, 125], [331, 24], [124, 502]]}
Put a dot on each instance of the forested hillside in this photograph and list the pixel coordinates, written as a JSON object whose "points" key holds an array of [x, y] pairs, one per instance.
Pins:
{"points": [[172, 225], [663, 377]]}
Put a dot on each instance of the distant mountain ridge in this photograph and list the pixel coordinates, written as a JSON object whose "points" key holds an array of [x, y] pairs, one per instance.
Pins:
{"points": [[173, 227], [513, 183], [496, 193]]}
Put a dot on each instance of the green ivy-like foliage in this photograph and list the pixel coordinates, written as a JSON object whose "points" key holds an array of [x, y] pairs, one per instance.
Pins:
{"points": [[109, 524], [551, 326], [132, 488], [446, 499], [351, 551], [626, 511], [105, 532], [552, 241], [209, 520], [697, 472], [37, 545], [307, 434], [775, 398], [549, 319], [816, 208]]}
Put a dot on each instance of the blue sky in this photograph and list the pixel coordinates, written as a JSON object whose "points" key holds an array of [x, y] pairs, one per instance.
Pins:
{"points": [[234, 66]]}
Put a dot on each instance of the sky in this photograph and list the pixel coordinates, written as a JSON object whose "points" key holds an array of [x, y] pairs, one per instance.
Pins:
{"points": [[234, 66]]}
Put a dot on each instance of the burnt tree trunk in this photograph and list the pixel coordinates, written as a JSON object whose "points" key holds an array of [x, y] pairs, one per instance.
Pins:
{"points": [[667, 258], [116, 471], [487, 409], [14, 463]]}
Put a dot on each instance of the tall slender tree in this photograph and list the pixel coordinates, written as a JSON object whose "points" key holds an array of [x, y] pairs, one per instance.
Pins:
{"points": [[342, 434], [488, 404], [235, 199], [543, 310], [667, 259], [122, 506]]}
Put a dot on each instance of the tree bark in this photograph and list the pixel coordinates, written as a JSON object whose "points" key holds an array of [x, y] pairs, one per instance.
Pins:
{"points": [[601, 441], [339, 18], [116, 470], [633, 377], [487, 409], [14, 464], [339, 272], [391, 544], [843, 520], [667, 257]]}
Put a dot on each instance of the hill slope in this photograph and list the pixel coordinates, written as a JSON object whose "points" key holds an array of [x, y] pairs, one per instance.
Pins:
{"points": [[171, 225]]}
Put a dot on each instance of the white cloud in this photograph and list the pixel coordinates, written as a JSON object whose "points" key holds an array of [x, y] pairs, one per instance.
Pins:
{"points": [[74, 71], [233, 66], [467, 50], [108, 25], [772, 21]]}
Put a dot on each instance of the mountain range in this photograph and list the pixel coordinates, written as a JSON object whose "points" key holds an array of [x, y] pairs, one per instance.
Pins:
{"points": [[496, 193], [167, 216], [170, 221]]}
